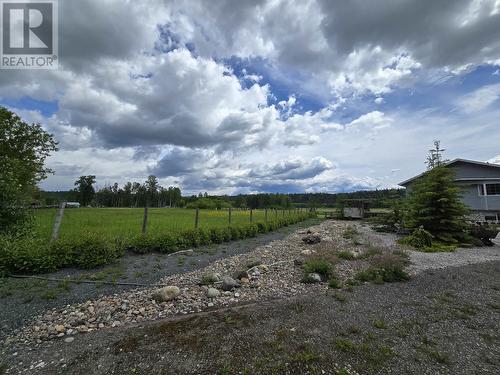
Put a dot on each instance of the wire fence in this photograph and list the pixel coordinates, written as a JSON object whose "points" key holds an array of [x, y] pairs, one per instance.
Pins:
{"points": [[124, 222]]}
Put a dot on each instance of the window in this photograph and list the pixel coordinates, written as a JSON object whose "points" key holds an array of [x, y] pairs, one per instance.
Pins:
{"points": [[492, 189], [480, 189]]}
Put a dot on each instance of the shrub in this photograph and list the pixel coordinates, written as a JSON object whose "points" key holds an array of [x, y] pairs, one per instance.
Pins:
{"points": [[204, 235], [140, 244], [346, 254], [334, 283], [420, 238], [26, 254], [236, 233], [385, 268], [483, 233], [168, 242], [251, 230], [216, 235], [390, 274], [262, 227], [87, 250], [319, 266], [191, 238]]}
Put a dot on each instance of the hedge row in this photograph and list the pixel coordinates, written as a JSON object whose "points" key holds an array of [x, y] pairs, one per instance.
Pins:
{"points": [[34, 255]]}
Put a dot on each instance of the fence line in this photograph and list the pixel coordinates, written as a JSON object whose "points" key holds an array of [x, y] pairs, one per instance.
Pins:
{"points": [[118, 222]]}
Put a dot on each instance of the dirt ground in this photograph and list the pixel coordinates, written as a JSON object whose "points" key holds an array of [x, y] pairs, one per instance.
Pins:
{"points": [[442, 321]]}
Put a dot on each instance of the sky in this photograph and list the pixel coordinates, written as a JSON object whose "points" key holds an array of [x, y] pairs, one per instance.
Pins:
{"points": [[285, 96]]}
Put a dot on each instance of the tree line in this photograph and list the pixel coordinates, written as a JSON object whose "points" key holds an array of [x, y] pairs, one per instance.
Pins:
{"points": [[132, 194]]}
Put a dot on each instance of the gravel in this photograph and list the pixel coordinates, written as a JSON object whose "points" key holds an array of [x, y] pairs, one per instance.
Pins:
{"points": [[22, 299], [440, 322], [272, 272], [275, 276]]}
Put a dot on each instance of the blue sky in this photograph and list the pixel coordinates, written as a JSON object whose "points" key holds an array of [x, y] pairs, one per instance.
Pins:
{"points": [[265, 96]]}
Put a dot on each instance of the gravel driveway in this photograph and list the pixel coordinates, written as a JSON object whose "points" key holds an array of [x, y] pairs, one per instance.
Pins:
{"points": [[440, 322]]}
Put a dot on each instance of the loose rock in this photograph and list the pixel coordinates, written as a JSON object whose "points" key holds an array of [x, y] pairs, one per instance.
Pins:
{"points": [[167, 293], [228, 283], [213, 293]]}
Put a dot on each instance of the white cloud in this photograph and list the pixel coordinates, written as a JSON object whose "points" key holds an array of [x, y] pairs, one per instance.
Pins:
{"points": [[479, 99]]}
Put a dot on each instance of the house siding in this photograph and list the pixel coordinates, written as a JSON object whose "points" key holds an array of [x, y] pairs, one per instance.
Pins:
{"points": [[475, 174], [464, 170], [471, 197]]}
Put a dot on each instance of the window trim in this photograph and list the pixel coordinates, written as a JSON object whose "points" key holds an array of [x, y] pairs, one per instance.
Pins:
{"points": [[481, 190], [497, 190]]}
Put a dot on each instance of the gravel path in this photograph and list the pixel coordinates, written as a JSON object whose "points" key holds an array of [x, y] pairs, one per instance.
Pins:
{"points": [[440, 322], [461, 257], [421, 261]]}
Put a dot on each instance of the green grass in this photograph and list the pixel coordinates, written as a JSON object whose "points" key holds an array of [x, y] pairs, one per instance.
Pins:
{"points": [[125, 222]]}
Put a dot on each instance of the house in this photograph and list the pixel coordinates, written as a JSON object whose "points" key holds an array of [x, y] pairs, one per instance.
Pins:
{"points": [[480, 184], [72, 204]]}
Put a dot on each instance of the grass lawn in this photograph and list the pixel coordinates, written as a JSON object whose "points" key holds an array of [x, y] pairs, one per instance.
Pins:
{"points": [[114, 222]]}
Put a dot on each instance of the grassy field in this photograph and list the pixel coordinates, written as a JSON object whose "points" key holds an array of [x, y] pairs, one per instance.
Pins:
{"points": [[114, 222]]}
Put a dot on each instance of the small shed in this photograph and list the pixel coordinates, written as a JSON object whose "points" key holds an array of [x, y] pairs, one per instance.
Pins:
{"points": [[72, 204], [356, 208]]}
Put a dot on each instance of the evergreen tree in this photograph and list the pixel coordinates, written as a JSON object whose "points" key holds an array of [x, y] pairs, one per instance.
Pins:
{"points": [[434, 204]]}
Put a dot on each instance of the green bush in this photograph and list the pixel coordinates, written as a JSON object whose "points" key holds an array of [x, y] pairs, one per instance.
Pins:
{"points": [[483, 233], [251, 230], [168, 242], [420, 238], [217, 235], [319, 266], [191, 238], [86, 251], [262, 227], [334, 283], [236, 233], [27, 254]]}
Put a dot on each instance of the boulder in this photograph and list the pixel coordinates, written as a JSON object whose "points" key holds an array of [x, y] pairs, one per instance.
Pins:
{"points": [[245, 281], [312, 239], [213, 293], [254, 272], [228, 283], [306, 252], [254, 262], [210, 278], [238, 275], [167, 293], [263, 268], [314, 277]]}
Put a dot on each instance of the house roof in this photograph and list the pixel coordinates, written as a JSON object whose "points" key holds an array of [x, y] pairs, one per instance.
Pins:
{"points": [[454, 161]]}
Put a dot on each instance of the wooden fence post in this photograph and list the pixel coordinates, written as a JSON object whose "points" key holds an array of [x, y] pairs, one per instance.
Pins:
{"points": [[229, 215], [57, 222], [145, 220], [197, 218], [251, 215], [265, 214], [276, 213]]}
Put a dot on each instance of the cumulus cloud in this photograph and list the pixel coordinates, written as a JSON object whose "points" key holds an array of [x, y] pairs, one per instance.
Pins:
{"points": [[149, 87]]}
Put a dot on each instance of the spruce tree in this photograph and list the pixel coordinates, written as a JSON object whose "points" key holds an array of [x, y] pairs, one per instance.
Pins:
{"points": [[434, 204]]}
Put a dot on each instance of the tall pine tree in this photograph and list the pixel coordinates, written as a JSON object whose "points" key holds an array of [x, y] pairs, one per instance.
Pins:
{"points": [[434, 204]]}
